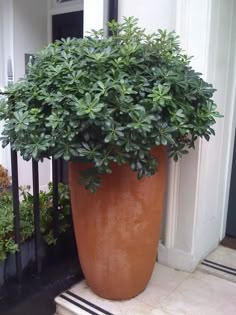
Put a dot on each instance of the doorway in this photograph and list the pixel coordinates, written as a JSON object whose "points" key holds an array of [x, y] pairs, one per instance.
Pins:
{"points": [[63, 26], [231, 218], [230, 239], [67, 25]]}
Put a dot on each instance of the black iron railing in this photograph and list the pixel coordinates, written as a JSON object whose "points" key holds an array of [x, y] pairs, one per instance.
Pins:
{"points": [[16, 210], [57, 171]]}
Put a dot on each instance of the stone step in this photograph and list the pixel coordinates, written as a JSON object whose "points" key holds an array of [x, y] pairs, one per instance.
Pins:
{"points": [[80, 300]]}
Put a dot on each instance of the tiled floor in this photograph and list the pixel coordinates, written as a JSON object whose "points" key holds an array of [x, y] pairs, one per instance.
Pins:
{"points": [[170, 292], [221, 263]]}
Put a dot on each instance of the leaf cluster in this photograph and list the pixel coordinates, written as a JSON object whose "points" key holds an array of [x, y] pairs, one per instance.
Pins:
{"points": [[4, 179], [109, 100]]}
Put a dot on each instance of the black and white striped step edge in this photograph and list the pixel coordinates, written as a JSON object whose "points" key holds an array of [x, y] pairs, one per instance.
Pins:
{"points": [[74, 301], [219, 267]]}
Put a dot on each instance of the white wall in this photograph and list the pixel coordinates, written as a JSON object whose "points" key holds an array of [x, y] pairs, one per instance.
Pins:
{"points": [[29, 36], [94, 15], [29, 30], [152, 14], [6, 50]]}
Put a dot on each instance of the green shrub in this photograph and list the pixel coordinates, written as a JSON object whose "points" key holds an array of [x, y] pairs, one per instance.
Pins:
{"points": [[109, 100], [7, 243]]}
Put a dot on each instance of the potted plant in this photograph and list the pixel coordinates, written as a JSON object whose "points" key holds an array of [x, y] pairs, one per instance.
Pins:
{"points": [[113, 107]]}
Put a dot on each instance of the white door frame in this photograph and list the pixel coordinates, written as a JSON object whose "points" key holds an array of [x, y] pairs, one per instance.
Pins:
{"points": [[230, 126]]}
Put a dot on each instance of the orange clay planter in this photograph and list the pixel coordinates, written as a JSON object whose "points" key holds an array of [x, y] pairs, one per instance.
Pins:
{"points": [[117, 229]]}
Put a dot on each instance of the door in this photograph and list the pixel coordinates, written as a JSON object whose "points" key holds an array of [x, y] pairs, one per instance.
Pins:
{"points": [[231, 219], [67, 25]]}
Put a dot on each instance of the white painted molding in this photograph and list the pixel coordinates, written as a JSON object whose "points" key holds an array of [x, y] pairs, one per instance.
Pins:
{"points": [[6, 52], [184, 28], [197, 208], [94, 15], [187, 190], [67, 9], [175, 258], [1, 47], [172, 204], [178, 216]]}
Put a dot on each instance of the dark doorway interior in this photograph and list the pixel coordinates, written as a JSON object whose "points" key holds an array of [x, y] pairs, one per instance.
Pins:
{"points": [[67, 25], [63, 26], [231, 219]]}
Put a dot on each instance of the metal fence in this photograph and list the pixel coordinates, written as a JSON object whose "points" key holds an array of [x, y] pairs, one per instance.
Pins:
{"points": [[58, 170]]}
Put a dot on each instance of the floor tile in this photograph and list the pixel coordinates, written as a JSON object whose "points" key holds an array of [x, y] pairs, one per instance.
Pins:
{"points": [[202, 294], [158, 311], [222, 256], [169, 292], [164, 280]]}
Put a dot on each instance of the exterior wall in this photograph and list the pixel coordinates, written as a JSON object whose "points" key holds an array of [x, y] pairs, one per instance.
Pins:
{"points": [[152, 14], [94, 18], [23, 30], [29, 36], [29, 31], [6, 50]]}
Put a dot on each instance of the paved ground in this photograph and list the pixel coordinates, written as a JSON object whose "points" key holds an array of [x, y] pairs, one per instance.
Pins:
{"points": [[169, 292]]}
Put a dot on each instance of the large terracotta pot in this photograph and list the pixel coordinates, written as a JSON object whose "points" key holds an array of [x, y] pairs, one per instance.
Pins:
{"points": [[117, 229]]}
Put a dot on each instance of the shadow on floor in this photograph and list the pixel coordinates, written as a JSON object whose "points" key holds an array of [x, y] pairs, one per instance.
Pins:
{"points": [[37, 295]]}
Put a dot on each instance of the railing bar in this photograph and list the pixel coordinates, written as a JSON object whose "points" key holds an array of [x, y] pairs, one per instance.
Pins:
{"points": [[61, 171], [37, 232], [16, 210], [55, 195]]}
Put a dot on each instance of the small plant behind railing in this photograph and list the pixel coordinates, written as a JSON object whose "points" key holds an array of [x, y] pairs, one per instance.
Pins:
{"points": [[7, 241]]}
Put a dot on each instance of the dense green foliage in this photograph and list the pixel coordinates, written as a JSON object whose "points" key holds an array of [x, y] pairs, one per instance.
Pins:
{"points": [[109, 100], [7, 243]]}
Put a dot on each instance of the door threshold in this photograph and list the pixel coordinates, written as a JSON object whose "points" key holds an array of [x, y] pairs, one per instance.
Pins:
{"points": [[221, 263], [229, 242]]}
